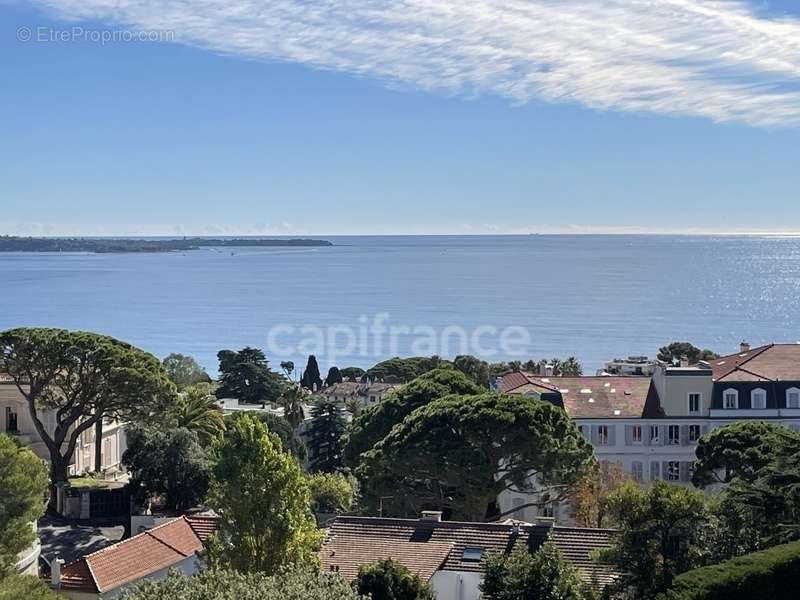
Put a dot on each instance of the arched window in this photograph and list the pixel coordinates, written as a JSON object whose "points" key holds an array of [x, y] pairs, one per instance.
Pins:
{"points": [[793, 398], [758, 398], [730, 399]]}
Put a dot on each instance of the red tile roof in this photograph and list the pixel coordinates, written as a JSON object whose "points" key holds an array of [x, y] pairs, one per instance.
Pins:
{"points": [[774, 362], [425, 547], [202, 524], [132, 559]]}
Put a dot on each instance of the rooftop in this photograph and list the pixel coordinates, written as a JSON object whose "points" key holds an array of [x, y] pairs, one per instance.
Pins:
{"points": [[773, 362]]}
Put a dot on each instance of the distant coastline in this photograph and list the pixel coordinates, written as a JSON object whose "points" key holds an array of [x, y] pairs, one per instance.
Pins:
{"points": [[128, 245]]}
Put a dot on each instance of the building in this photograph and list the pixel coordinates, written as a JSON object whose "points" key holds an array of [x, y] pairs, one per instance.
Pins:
{"points": [[366, 393], [147, 555], [635, 366], [449, 554], [651, 425], [16, 420]]}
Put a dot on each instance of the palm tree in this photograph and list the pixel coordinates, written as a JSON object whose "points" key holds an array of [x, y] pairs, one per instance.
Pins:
{"points": [[197, 410], [292, 403], [353, 406]]}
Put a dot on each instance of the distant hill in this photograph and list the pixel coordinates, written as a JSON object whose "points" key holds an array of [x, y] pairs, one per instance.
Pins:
{"points": [[106, 245]]}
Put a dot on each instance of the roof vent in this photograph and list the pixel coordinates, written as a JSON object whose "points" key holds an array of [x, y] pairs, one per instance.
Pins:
{"points": [[744, 347], [431, 515]]}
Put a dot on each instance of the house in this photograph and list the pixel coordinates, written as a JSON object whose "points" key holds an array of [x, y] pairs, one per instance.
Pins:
{"points": [[367, 393], [633, 366], [450, 554], [147, 555], [15, 420], [651, 425]]}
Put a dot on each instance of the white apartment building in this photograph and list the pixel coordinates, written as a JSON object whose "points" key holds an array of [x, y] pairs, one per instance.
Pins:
{"points": [[635, 366], [651, 425]]}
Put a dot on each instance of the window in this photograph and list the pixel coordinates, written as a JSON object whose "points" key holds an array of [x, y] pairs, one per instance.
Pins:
{"points": [[637, 470], [602, 435], [674, 435], [694, 433], [636, 434], [655, 434], [758, 399], [694, 403], [580, 430], [673, 470], [472, 554], [730, 399], [793, 398], [12, 425]]}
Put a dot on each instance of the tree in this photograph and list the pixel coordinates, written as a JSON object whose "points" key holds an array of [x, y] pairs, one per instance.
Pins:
{"points": [[353, 406], [246, 376], [332, 492], [402, 370], [474, 368], [663, 531], [280, 427], [375, 422], [288, 368], [25, 587], [23, 492], [292, 403], [570, 367], [740, 450], [293, 584], [168, 465], [676, 351], [543, 575], [184, 371], [197, 410], [459, 453], [324, 436], [389, 580], [263, 500], [334, 376], [352, 373], [83, 377], [589, 496], [311, 379]]}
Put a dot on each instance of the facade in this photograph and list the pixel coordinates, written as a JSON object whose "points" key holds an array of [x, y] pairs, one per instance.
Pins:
{"points": [[449, 554], [15, 420], [651, 425], [634, 366]]}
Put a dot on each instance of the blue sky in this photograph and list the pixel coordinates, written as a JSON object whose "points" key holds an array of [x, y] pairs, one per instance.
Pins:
{"points": [[291, 117]]}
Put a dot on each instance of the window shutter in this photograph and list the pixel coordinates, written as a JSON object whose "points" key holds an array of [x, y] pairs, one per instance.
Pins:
{"points": [[684, 435], [595, 435], [612, 435], [653, 471], [685, 471], [628, 434], [663, 434], [664, 470]]}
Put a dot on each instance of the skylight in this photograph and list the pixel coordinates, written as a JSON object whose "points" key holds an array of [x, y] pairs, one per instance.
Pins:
{"points": [[586, 391], [472, 554]]}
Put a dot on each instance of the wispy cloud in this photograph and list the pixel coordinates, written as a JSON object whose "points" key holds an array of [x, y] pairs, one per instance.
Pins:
{"points": [[716, 59]]}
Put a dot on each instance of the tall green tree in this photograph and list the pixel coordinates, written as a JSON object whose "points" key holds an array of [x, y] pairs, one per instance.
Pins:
{"points": [[197, 410], [280, 427], [324, 436], [353, 373], [311, 379], [332, 492], [171, 466], [390, 580], [402, 370], [246, 375], [184, 370], [23, 494], [288, 368], [334, 376], [459, 453], [522, 575], [263, 501], [673, 353], [663, 531], [474, 368], [84, 378], [375, 422], [293, 403]]}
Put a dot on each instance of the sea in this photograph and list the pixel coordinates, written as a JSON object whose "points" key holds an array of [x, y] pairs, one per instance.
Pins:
{"points": [[367, 298]]}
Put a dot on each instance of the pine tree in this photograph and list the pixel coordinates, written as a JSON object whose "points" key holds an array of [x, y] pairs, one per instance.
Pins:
{"points": [[325, 432]]}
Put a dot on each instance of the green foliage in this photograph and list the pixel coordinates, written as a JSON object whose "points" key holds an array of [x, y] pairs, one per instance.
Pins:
{"points": [[332, 492], [168, 465], [292, 400], [352, 373], [389, 580], [87, 377], [293, 584], [246, 376], [771, 574], [23, 491], [375, 422], [25, 587], [196, 409], [740, 450], [459, 453], [184, 371], [288, 367], [474, 368], [334, 376], [263, 501], [324, 436], [402, 370], [674, 352], [311, 379], [280, 427], [543, 575], [664, 530]]}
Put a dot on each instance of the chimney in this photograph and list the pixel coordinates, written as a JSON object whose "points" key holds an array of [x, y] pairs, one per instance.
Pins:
{"points": [[548, 370], [55, 572], [431, 515], [744, 347]]}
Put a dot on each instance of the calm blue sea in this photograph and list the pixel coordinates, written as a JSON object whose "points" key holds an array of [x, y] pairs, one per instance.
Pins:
{"points": [[596, 297]]}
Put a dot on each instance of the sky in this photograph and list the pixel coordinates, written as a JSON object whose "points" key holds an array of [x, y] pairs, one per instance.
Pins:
{"points": [[314, 117]]}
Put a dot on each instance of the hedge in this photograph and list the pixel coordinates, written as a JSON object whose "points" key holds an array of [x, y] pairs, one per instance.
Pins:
{"points": [[772, 574]]}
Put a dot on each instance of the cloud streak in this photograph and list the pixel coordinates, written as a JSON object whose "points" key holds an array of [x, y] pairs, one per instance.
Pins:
{"points": [[715, 59]]}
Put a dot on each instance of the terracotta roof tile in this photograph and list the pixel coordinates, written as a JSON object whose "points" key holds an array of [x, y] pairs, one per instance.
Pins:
{"points": [[202, 525], [774, 362]]}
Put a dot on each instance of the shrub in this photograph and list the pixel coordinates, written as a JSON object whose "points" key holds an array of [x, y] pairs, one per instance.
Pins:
{"points": [[389, 580]]}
